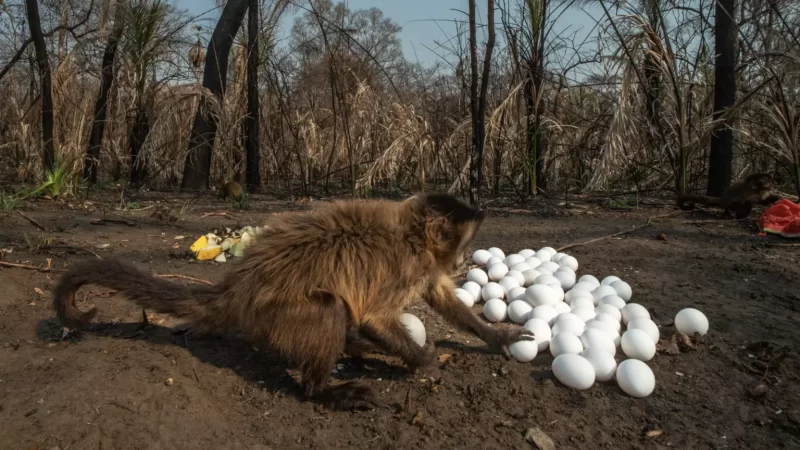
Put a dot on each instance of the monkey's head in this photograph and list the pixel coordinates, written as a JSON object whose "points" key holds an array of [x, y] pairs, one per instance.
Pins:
{"points": [[449, 225], [760, 181]]}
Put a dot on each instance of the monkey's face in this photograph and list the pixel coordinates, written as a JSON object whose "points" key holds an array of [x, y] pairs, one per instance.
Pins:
{"points": [[452, 224]]}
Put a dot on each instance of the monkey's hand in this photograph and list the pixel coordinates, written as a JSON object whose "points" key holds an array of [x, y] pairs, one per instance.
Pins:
{"points": [[507, 335], [426, 357]]}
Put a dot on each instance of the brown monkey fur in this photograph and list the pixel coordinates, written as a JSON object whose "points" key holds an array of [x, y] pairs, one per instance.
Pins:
{"points": [[314, 279], [739, 198], [231, 190]]}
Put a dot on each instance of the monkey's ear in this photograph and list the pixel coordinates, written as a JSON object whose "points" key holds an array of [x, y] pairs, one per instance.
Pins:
{"points": [[448, 206]]}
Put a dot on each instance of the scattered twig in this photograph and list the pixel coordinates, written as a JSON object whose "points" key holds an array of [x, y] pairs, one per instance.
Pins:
{"points": [[80, 249], [118, 221], [187, 278], [196, 376], [219, 213], [32, 221], [26, 266], [638, 227], [783, 245]]}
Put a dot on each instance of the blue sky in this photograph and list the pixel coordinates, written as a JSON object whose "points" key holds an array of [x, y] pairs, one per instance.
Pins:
{"points": [[423, 22]]}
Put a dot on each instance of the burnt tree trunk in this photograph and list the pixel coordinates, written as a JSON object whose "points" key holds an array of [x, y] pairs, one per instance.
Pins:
{"points": [[197, 167], [35, 24], [720, 167], [138, 134], [101, 105], [252, 121], [478, 99]]}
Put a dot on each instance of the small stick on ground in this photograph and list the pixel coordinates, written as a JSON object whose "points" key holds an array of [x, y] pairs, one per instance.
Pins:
{"points": [[26, 266], [219, 213], [187, 278], [638, 227], [32, 221], [196, 376], [79, 249]]}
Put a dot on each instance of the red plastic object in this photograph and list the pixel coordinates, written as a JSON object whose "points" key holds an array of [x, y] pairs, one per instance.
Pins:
{"points": [[782, 218]]}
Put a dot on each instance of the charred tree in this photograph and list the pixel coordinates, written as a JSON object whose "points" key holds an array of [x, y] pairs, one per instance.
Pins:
{"points": [[35, 25], [478, 99], [252, 121]]}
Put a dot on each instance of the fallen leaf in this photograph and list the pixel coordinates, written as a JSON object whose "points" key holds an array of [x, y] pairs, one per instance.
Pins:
{"points": [[102, 246], [38, 291], [178, 238], [654, 433], [539, 439], [417, 420], [444, 357]]}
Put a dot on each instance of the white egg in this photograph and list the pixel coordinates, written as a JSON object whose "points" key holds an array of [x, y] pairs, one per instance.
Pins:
{"points": [[517, 293], [465, 297], [563, 343], [550, 266], [603, 363], [610, 310], [508, 283], [568, 316], [511, 260], [646, 325], [478, 276], [481, 257], [569, 326], [605, 327], [544, 270], [497, 253], [547, 280], [539, 294], [543, 255], [473, 288], [524, 351], [586, 314], [550, 250], [581, 302], [493, 260], [559, 292], [584, 286], [632, 310], [690, 321], [533, 262], [637, 344], [598, 293], [635, 378], [612, 300], [623, 289], [561, 307], [544, 312], [518, 275], [567, 270], [557, 257], [595, 338], [541, 332], [531, 276], [574, 293], [566, 279], [492, 290], [611, 320], [591, 279], [526, 253], [608, 280], [518, 311], [414, 328], [497, 271], [495, 310], [521, 267], [569, 261], [574, 371]]}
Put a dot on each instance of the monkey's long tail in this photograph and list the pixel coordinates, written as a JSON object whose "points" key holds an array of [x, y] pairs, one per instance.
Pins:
{"points": [[686, 200], [140, 287]]}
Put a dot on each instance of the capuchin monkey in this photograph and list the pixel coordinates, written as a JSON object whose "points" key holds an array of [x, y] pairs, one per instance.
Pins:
{"points": [[739, 198]]}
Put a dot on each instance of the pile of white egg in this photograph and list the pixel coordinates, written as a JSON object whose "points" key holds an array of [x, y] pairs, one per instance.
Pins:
{"points": [[582, 321]]}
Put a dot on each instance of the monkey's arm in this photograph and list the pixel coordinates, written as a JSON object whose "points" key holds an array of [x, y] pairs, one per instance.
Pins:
{"points": [[770, 199], [441, 297]]}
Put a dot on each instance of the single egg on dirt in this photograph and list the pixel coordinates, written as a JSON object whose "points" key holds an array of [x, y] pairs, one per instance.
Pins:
{"points": [[524, 351], [478, 276], [690, 321], [497, 271], [646, 325], [632, 310], [517, 293], [613, 300], [569, 261], [497, 253], [609, 279], [623, 290], [540, 294], [518, 311], [591, 279], [465, 297], [602, 362], [541, 332], [637, 344], [495, 310], [563, 343], [473, 288], [593, 337], [544, 312], [414, 328], [481, 257], [635, 378], [492, 290], [574, 371]]}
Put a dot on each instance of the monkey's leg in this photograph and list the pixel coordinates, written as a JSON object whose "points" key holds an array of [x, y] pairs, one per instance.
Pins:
{"points": [[442, 299], [391, 335]]}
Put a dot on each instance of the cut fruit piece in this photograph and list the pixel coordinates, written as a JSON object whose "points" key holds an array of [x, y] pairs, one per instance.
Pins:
{"points": [[199, 244], [209, 253], [782, 218]]}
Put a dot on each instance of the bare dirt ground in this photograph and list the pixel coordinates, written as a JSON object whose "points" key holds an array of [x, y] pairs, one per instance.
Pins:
{"points": [[106, 389]]}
